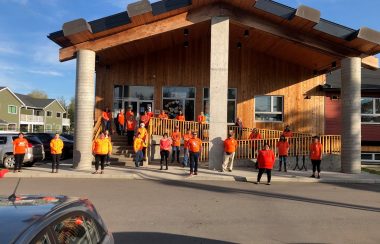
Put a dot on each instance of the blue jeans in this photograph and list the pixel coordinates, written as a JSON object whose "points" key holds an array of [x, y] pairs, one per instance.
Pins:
{"points": [[139, 158], [194, 158], [175, 150], [282, 160], [185, 157]]}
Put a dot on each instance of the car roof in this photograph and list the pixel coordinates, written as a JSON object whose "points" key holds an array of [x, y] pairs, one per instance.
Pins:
{"points": [[17, 216]]}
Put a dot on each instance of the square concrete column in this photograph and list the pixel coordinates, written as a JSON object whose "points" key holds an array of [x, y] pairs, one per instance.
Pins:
{"points": [[351, 115], [84, 109], [218, 89]]}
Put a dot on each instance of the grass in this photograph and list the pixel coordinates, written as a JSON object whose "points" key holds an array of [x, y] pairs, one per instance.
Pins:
{"points": [[371, 171]]}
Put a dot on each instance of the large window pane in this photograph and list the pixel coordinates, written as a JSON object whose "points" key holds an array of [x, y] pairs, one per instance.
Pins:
{"points": [[206, 106], [206, 93], [117, 92], [139, 92], [367, 105], [277, 104], [377, 156], [370, 119], [377, 106], [189, 109], [366, 156], [268, 117], [179, 92], [263, 104], [231, 112], [173, 106]]}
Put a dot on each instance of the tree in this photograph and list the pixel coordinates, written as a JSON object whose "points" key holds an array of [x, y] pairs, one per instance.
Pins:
{"points": [[63, 102], [71, 111], [38, 94]]}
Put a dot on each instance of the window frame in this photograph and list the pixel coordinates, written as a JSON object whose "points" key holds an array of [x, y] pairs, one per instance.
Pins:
{"points": [[228, 100], [47, 113], [10, 106], [271, 108], [374, 114], [182, 99], [373, 155], [59, 115]]}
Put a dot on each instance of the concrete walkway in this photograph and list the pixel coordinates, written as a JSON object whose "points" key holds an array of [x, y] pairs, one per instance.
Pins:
{"points": [[176, 172]]}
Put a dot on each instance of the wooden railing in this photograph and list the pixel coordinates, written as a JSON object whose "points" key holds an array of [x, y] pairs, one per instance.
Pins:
{"points": [[243, 133], [299, 146], [97, 128]]}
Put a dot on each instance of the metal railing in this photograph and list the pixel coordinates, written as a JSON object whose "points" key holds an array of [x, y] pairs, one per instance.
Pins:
{"points": [[65, 122], [31, 118], [244, 133]]}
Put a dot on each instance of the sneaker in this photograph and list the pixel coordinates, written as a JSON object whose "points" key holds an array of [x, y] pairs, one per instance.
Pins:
{"points": [[257, 182], [268, 184], [195, 173], [312, 176], [318, 176], [230, 170], [191, 174]]}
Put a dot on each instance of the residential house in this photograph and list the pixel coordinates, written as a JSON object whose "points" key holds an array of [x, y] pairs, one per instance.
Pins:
{"points": [[10, 107]]}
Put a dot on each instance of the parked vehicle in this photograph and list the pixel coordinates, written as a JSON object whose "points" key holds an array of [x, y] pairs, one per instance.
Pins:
{"points": [[35, 150], [51, 219], [69, 137], [68, 147]]}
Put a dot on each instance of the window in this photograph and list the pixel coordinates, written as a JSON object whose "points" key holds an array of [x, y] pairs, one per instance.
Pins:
{"points": [[48, 113], [42, 238], [3, 140], [12, 127], [175, 99], [48, 128], [12, 109], [58, 115], [370, 108], [139, 92], [370, 157], [231, 104], [64, 115], [269, 108]]}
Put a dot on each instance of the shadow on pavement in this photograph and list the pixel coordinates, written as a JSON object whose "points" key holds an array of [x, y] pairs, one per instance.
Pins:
{"points": [[157, 238]]}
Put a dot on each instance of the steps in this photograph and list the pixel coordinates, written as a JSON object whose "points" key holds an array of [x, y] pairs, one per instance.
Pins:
{"points": [[122, 154]]}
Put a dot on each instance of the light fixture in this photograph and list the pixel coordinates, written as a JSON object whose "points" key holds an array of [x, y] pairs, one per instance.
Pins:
{"points": [[186, 44], [246, 33], [238, 45], [186, 32]]}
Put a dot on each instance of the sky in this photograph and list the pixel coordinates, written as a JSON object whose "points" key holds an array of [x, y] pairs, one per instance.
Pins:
{"points": [[29, 60]]}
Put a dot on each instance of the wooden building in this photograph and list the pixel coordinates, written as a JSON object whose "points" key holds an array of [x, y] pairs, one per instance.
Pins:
{"points": [[257, 60]]}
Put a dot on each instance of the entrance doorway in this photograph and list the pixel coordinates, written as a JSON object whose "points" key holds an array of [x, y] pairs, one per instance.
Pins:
{"points": [[138, 107]]}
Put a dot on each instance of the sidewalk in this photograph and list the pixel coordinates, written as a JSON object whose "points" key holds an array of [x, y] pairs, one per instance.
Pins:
{"points": [[176, 172]]}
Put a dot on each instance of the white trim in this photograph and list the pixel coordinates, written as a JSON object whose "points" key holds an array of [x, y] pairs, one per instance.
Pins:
{"points": [[271, 108], [373, 160], [9, 105], [60, 115], [51, 114], [55, 100]]}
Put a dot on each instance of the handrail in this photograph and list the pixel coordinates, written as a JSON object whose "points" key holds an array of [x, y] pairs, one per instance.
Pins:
{"points": [[97, 128], [244, 133]]}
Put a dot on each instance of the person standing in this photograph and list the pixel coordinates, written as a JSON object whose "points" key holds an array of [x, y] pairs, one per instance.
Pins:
{"points": [[163, 115], [131, 125], [195, 147], [108, 137], [106, 119], [144, 136], [149, 112], [56, 146], [180, 116], [20, 147], [165, 144], [316, 156], [186, 138], [255, 135], [201, 122], [121, 122], [283, 150], [138, 146], [101, 147], [129, 112], [265, 160], [239, 125], [230, 145], [176, 138], [145, 119], [287, 132]]}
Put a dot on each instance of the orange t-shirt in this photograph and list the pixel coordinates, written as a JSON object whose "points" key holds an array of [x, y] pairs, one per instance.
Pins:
{"points": [[230, 145], [121, 118], [150, 114], [130, 113], [20, 146], [186, 138], [201, 119], [266, 159], [180, 117], [163, 116], [195, 144], [143, 132], [254, 136], [105, 116], [176, 137], [287, 134], [131, 124], [283, 148], [316, 151]]}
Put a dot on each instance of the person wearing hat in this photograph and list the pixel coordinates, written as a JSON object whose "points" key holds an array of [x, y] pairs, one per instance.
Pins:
{"points": [[195, 148], [144, 136], [149, 112], [176, 138], [230, 145], [138, 147], [20, 147]]}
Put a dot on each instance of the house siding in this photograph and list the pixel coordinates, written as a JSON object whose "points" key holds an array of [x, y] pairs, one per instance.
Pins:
{"points": [[6, 99], [53, 120]]}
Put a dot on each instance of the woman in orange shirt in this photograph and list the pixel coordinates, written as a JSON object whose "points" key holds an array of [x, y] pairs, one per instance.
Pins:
{"points": [[131, 125], [316, 156], [283, 149], [56, 146], [265, 160], [180, 116], [176, 138], [101, 147], [20, 147]]}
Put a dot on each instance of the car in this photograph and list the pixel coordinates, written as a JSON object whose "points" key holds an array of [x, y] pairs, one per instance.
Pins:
{"points": [[34, 154], [68, 146], [51, 219], [69, 137]]}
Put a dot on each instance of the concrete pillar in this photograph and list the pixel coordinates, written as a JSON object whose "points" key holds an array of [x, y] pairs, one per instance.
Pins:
{"points": [[84, 109], [351, 115], [218, 89]]}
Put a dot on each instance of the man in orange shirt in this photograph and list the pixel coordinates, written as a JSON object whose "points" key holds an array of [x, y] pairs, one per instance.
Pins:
{"points": [[195, 148], [265, 161], [287, 132], [56, 146], [163, 115], [230, 145], [149, 112], [316, 156], [186, 138], [255, 135], [131, 125], [20, 147], [176, 138], [121, 122], [138, 146], [106, 119], [202, 118], [101, 147], [129, 112], [180, 116], [145, 119], [283, 149]]}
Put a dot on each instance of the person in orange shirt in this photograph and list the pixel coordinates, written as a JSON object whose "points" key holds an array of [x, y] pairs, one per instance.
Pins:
{"points": [[129, 112], [101, 147], [149, 112], [202, 118], [165, 144], [163, 115], [56, 146], [316, 156], [144, 118], [144, 136], [195, 148], [186, 138], [265, 160], [131, 125], [20, 147], [138, 146], [176, 138], [230, 145], [255, 135], [180, 116], [106, 118], [283, 150], [121, 122], [287, 132]]}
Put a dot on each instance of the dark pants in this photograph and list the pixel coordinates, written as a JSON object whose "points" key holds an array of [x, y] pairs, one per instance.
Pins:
{"points": [[282, 161], [106, 125], [55, 161], [175, 150], [316, 165], [19, 159], [120, 128], [100, 158], [261, 172], [194, 157], [164, 156], [139, 158], [130, 135]]}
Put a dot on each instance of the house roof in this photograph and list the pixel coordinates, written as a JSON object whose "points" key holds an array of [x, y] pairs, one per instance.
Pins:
{"points": [[303, 19], [2, 87], [34, 102]]}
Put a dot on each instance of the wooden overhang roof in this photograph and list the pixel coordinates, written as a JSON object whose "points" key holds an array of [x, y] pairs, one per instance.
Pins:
{"points": [[143, 19]]}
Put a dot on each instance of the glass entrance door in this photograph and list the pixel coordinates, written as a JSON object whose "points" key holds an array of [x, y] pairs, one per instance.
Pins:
{"points": [[138, 107]]}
